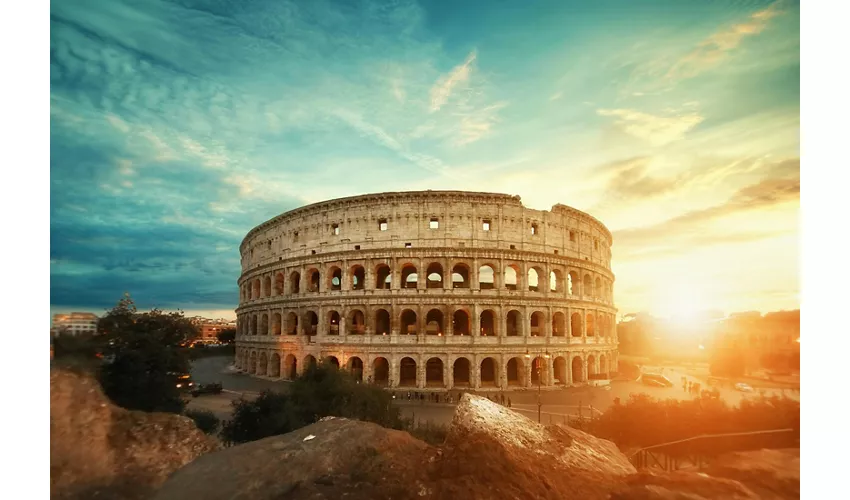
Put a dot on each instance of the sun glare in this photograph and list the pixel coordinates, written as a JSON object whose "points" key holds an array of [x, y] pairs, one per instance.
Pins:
{"points": [[682, 303]]}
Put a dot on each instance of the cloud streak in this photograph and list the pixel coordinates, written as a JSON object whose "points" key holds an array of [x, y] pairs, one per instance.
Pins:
{"points": [[443, 88]]}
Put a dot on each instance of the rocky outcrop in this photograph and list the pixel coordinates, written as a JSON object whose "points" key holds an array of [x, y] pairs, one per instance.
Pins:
{"points": [[772, 474], [651, 485], [491, 452], [99, 449]]}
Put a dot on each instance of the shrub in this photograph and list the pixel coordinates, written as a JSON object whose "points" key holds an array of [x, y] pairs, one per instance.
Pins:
{"points": [[205, 420]]}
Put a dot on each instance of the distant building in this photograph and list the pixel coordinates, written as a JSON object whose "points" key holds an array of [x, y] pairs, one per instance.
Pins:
{"points": [[74, 323], [208, 329], [760, 342]]}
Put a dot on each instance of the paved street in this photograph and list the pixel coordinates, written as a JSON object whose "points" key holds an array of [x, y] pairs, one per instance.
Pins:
{"points": [[556, 402]]}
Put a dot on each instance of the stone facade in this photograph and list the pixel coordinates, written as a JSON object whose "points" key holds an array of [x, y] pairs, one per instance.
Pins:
{"points": [[430, 289]]}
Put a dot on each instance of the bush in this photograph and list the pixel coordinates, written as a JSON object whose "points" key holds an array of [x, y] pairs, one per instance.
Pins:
{"points": [[205, 420], [431, 433], [645, 421], [319, 392]]}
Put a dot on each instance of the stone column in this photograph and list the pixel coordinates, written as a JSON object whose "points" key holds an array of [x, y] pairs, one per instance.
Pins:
{"points": [[584, 366], [547, 328], [448, 374], [420, 372], [502, 371], [569, 375], [528, 368], [369, 276], [583, 313], [343, 322], [448, 284], [394, 370], [395, 273], [502, 321], [474, 282], [475, 321], [345, 281], [448, 320], [526, 322], [474, 371]]}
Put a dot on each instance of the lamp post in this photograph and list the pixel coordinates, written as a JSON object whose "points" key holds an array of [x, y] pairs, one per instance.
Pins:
{"points": [[539, 382]]}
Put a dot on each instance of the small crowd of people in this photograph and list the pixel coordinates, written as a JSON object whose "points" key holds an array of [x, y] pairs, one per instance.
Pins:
{"points": [[449, 397]]}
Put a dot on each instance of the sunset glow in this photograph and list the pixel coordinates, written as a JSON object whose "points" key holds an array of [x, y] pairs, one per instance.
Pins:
{"points": [[173, 133]]}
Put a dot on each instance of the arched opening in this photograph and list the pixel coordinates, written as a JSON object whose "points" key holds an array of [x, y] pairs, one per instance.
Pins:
{"points": [[254, 325], [578, 376], [264, 324], [560, 367], [358, 278], [279, 283], [488, 323], [460, 323], [434, 275], [383, 277], [511, 275], [295, 282], [381, 369], [538, 370], [591, 327], [252, 363], [573, 283], [355, 367], [601, 327], [309, 362], [276, 324], [262, 364], [408, 322], [407, 373], [335, 279], [460, 276], [356, 322], [488, 372], [591, 367], [513, 324], [575, 324], [537, 322], [598, 289], [460, 372], [556, 282], [333, 323], [587, 289], [434, 373], [559, 324], [267, 286], [534, 275], [603, 365], [290, 367], [274, 366], [256, 292], [311, 323], [332, 361], [434, 322], [382, 322], [486, 277], [314, 279], [409, 277], [292, 324], [516, 372]]}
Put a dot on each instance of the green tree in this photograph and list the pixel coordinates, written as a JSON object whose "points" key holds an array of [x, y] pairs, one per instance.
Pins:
{"points": [[143, 356], [205, 420], [227, 336], [319, 392]]}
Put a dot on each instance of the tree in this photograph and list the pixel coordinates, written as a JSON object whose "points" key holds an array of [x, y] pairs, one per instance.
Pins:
{"points": [[227, 336], [205, 420], [144, 356]]}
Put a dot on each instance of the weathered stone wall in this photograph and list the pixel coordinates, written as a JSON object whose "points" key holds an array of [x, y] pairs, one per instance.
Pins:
{"points": [[462, 284]]}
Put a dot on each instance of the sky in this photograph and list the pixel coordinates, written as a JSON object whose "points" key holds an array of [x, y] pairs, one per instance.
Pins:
{"points": [[177, 126]]}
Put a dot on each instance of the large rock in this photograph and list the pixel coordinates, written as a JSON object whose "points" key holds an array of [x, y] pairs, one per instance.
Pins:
{"points": [[333, 458], [99, 449], [654, 485]]}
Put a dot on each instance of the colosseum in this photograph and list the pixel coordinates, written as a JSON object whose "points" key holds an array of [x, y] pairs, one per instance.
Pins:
{"points": [[433, 290]]}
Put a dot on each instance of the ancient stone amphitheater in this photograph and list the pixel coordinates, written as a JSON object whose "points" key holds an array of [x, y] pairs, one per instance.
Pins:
{"points": [[430, 290]]}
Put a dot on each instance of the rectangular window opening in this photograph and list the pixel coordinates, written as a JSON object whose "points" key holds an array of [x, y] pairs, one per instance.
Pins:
{"points": [[336, 229], [357, 247], [295, 236], [408, 245], [312, 252], [572, 236], [434, 224], [534, 229], [556, 252], [383, 225], [513, 247], [485, 225]]}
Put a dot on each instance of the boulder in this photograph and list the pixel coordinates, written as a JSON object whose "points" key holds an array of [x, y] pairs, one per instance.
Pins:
{"points": [[652, 485], [97, 448], [333, 458]]}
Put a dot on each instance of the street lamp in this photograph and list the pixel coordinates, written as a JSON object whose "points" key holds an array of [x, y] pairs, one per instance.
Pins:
{"points": [[539, 381]]}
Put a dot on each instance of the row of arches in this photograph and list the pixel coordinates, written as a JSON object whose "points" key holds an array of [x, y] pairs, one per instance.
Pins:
{"points": [[435, 322], [461, 275], [437, 372]]}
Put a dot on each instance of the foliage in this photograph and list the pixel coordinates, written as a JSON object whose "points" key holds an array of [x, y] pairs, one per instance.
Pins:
{"points": [[227, 336], [317, 393], [205, 420], [78, 352], [645, 421], [143, 356]]}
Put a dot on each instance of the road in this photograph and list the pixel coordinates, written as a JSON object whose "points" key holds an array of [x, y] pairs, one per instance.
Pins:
{"points": [[555, 402]]}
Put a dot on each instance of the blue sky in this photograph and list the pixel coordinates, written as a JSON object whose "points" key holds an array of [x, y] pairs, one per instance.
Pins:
{"points": [[176, 126]]}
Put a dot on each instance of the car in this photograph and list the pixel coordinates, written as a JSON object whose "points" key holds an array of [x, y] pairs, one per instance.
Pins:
{"points": [[740, 386], [184, 381], [655, 380], [206, 389]]}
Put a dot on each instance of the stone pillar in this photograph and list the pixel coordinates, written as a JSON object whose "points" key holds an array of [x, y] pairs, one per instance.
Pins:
{"points": [[420, 372], [584, 366], [583, 313], [528, 369], [502, 381], [448, 284], [474, 282], [474, 372], [394, 374], [547, 332], [395, 273], [448, 373], [550, 371], [502, 321], [448, 321], [475, 321], [343, 322], [369, 276], [526, 322]]}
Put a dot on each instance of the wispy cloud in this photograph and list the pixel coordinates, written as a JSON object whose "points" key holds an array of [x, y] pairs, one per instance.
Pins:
{"points": [[711, 51], [655, 129], [459, 75]]}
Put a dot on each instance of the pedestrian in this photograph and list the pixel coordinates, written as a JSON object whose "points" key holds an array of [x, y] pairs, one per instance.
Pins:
{"points": [[509, 402]]}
